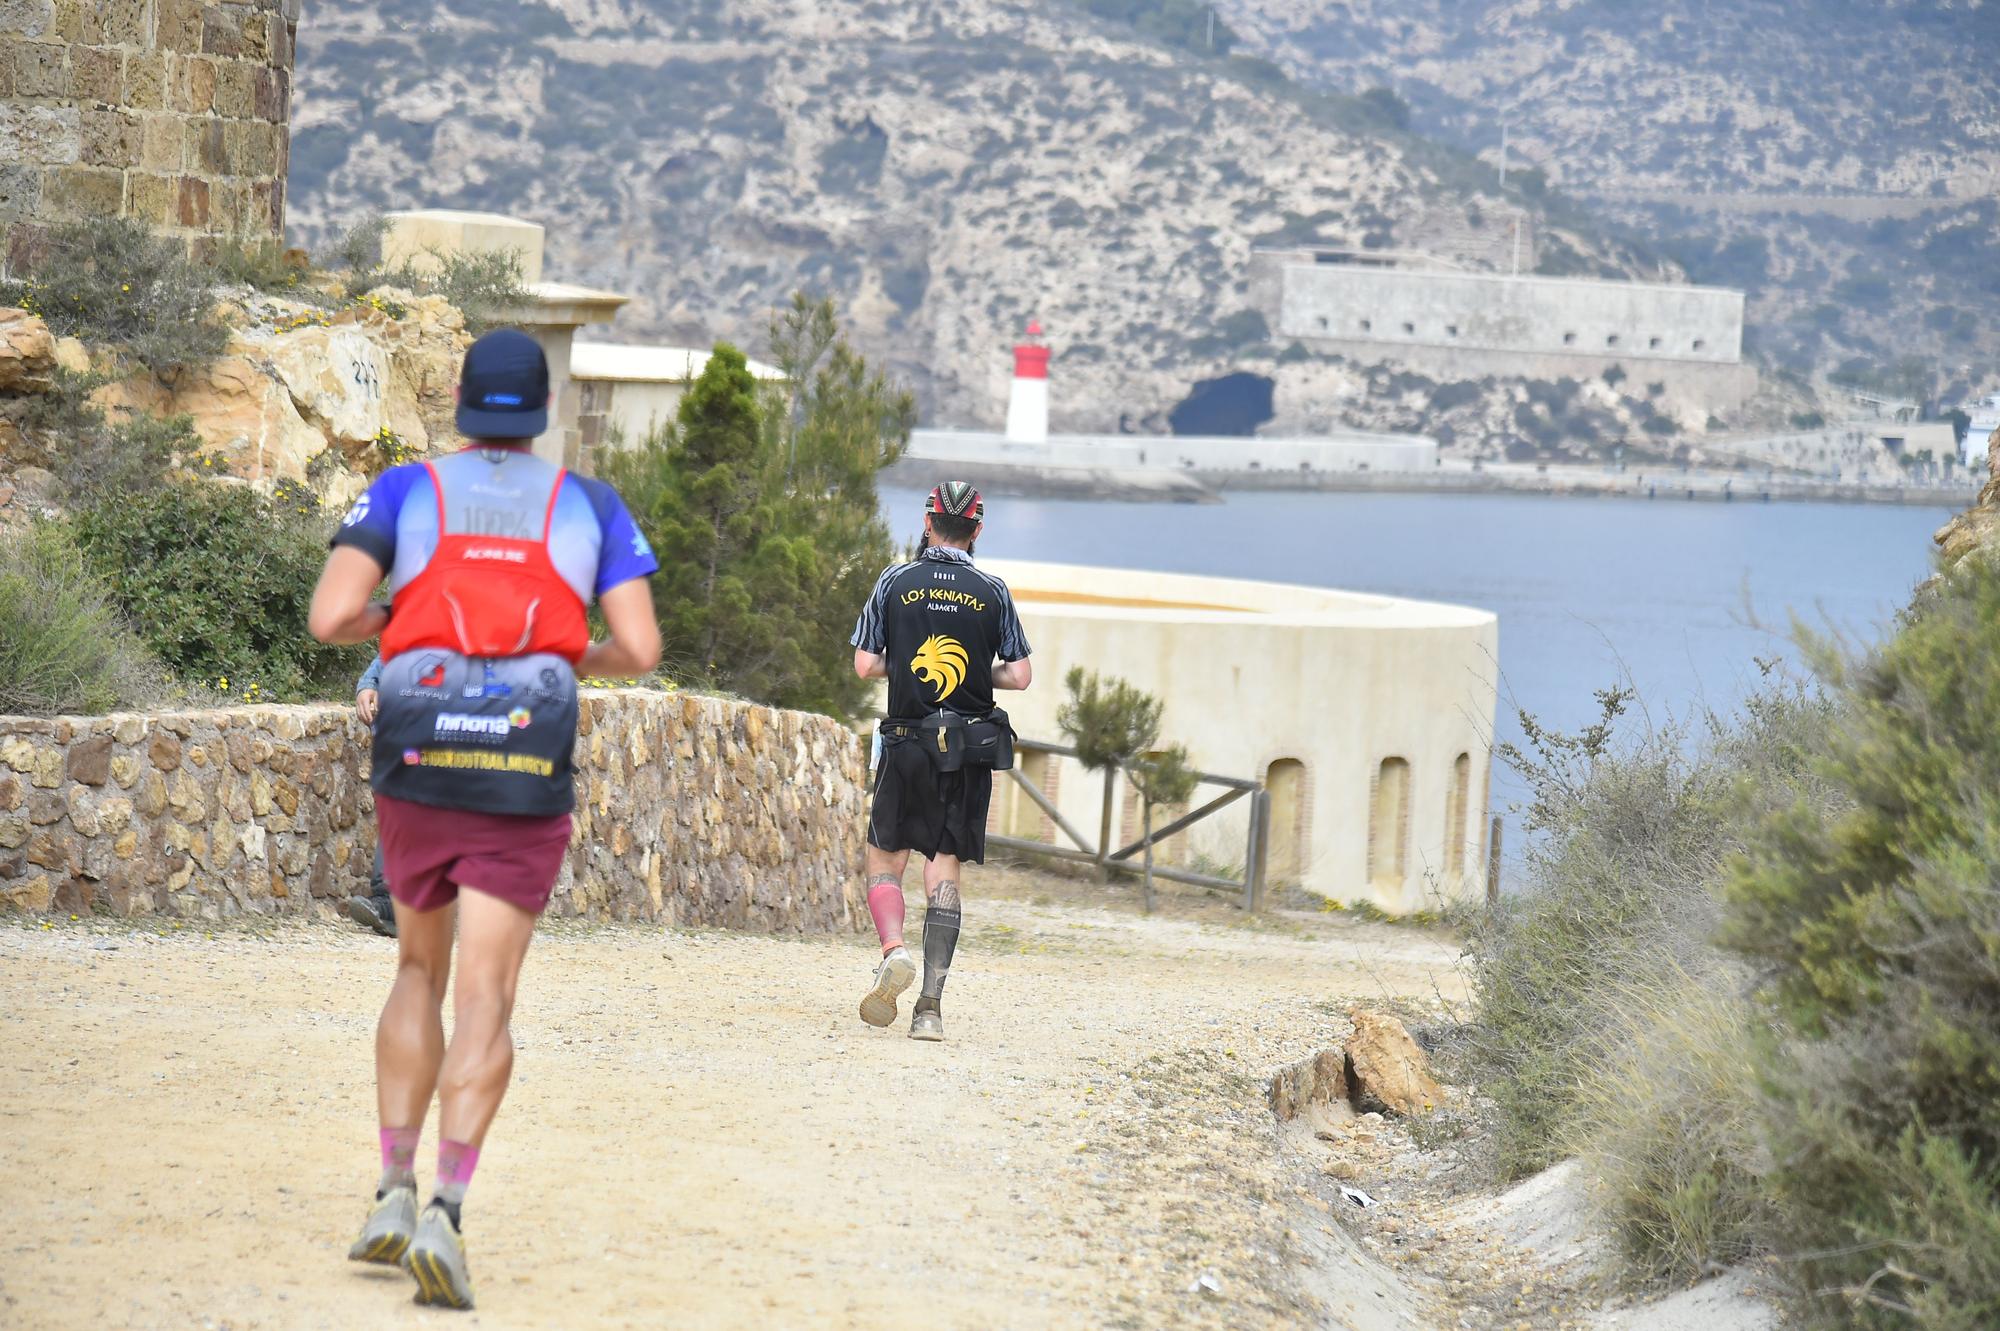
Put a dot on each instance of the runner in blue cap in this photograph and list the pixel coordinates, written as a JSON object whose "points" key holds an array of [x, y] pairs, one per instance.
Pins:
{"points": [[492, 556]]}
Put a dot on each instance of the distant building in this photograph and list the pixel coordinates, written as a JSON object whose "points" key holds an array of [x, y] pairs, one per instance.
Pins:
{"points": [[624, 392], [1368, 719], [1985, 415], [1459, 325]]}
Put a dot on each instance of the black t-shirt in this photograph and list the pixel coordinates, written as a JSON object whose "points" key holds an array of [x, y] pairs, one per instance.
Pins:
{"points": [[940, 622]]}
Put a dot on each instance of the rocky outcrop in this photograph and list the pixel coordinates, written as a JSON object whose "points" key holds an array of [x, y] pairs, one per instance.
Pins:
{"points": [[691, 810], [1978, 528], [1387, 1073], [303, 393], [320, 397], [27, 353]]}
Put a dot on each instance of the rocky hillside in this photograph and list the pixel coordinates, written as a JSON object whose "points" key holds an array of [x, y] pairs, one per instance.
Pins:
{"points": [[947, 168], [1716, 130], [1807, 96]]}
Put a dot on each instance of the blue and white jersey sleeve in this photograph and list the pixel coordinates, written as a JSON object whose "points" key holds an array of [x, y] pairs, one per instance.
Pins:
{"points": [[370, 524], [869, 630], [626, 554], [1013, 639]]}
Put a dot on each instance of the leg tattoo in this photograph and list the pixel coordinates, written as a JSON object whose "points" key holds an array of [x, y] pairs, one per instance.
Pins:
{"points": [[940, 938]]}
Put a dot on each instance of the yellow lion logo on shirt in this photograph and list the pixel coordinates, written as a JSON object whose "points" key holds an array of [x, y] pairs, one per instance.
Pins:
{"points": [[940, 663]]}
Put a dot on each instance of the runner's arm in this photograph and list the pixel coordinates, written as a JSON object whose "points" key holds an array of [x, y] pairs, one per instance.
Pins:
{"points": [[1013, 674], [634, 645], [340, 610], [870, 665]]}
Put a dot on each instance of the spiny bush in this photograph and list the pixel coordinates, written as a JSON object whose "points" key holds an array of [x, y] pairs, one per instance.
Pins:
{"points": [[93, 452], [111, 281], [482, 287], [1623, 841], [263, 263], [1874, 923], [1630, 834], [217, 579], [63, 647], [1668, 1127]]}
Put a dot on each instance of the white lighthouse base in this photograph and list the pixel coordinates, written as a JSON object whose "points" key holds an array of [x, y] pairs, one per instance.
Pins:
{"points": [[1028, 412]]}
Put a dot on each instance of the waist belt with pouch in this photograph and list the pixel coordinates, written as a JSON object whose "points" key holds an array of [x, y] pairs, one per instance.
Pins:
{"points": [[953, 742]]}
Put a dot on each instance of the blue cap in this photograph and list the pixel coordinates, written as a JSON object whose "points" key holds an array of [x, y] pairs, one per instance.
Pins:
{"points": [[503, 390]]}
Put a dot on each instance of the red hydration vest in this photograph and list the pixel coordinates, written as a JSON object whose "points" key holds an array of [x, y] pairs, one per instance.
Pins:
{"points": [[489, 596]]}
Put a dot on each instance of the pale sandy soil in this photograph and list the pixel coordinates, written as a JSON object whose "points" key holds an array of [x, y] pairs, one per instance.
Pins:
{"points": [[701, 1133]]}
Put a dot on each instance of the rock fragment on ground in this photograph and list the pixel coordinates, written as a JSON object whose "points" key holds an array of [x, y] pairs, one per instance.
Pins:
{"points": [[1387, 1073]]}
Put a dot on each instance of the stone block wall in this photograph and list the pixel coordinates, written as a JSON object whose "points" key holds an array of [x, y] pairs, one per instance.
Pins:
{"points": [[172, 111], [690, 810]]}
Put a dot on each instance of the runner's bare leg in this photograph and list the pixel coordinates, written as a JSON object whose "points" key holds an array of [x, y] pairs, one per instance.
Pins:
{"points": [[493, 937], [409, 1038], [944, 869]]}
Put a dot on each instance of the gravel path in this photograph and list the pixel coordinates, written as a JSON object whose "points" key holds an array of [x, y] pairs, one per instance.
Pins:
{"points": [[701, 1133]]}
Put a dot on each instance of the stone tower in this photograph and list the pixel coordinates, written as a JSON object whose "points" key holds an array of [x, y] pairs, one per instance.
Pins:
{"points": [[175, 112]]}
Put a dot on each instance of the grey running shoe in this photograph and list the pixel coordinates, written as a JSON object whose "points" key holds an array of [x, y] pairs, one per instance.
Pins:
{"points": [[927, 1023], [386, 1236], [892, 977], [376, 913], [437, 1259]]}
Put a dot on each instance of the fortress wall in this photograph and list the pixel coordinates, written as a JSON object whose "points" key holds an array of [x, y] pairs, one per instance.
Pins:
{"points": [[172, 111], [1392, 308], [690, 810]]}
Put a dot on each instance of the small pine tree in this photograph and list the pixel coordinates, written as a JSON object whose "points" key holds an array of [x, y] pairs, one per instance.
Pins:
{"points": [[760, 502], [730, 576], [1115, 726]]}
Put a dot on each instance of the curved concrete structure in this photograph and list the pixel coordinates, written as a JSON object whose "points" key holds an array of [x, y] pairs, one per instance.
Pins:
{"points": [[1369, 717]]}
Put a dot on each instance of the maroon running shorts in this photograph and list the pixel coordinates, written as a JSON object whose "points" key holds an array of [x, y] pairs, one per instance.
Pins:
{"points": [[429, 853]]}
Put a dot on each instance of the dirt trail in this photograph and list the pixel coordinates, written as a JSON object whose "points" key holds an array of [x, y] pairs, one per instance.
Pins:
{"points": [[701, 1133]]}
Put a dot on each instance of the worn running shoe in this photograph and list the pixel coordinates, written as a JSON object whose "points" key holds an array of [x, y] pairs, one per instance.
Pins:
{"points": [[437, 1260], [892, 977], [927, 1022], [391, 1225], [376, 913]]}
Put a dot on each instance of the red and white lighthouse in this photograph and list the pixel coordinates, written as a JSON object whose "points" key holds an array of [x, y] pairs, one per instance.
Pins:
{"points": [[1028, 400]]}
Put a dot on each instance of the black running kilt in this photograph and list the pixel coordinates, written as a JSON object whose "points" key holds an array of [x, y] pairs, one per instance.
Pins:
{"points": [[919, 808]]}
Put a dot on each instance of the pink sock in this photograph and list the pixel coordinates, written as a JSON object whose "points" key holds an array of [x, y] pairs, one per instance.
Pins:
{"points": [[399, 1156], [885, 903], [456, 1161]]}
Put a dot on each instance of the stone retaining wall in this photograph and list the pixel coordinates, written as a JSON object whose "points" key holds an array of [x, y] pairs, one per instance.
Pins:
{"points": [[690, 810]]}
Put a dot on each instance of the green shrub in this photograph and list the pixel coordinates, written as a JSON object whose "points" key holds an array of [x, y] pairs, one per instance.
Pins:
{"points": [[217, 579], [1668, 1127], [111, 281], [1629, 836], [63, 647], [1874, 921]]}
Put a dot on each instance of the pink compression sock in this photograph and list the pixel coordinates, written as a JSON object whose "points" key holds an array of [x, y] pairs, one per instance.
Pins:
{"points": [[456, 1161], [885, 903], [399, 1156]]}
